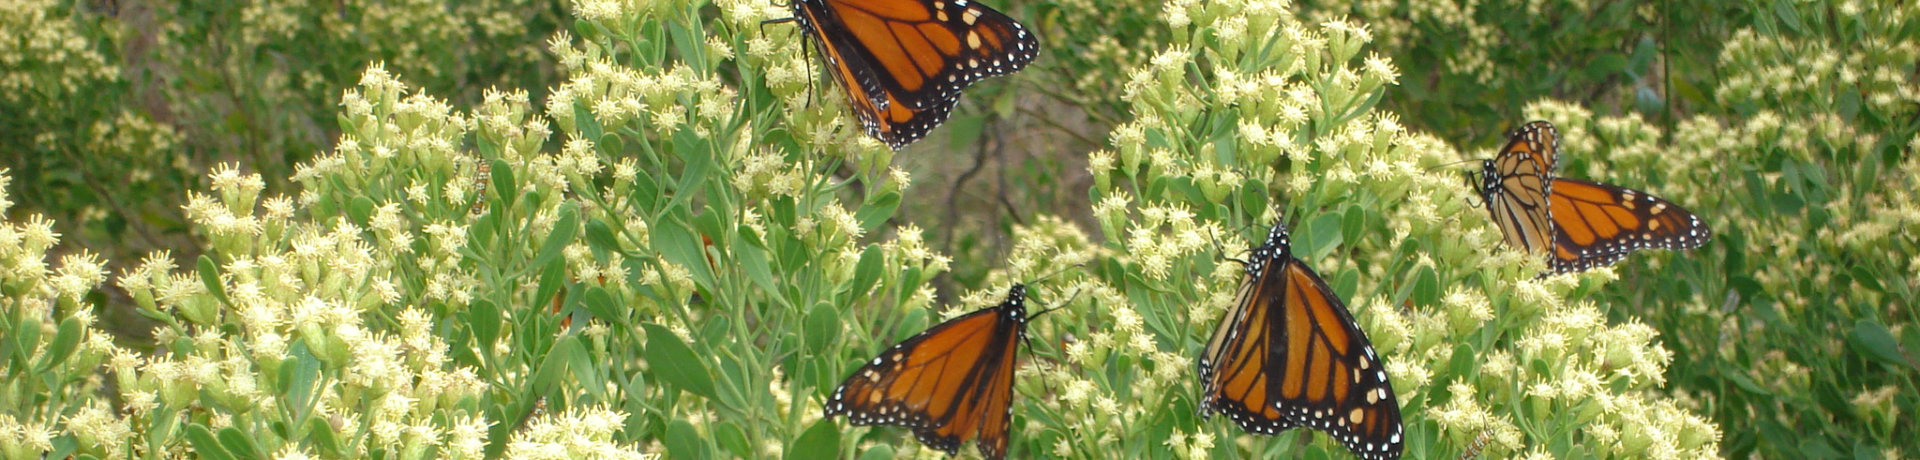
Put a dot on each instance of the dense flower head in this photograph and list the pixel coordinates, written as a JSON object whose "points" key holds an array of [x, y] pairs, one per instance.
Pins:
{"points": [[581, 433]]}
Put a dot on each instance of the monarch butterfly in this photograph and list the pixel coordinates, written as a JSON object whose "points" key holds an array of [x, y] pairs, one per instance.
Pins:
{"points": [[904, 62], [950, 383], [1579, 224], [1289, 354]]}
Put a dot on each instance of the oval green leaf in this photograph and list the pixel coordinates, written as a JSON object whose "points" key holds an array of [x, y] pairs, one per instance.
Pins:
{"points": [[673, 361]]}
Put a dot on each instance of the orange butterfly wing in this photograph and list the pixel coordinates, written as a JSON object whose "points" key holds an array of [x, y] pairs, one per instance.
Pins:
{"points": [[1598, 224], [1579, 224], [950, 383], [904, 62], [1234, 368], [1289, 354], [1515, 185]]}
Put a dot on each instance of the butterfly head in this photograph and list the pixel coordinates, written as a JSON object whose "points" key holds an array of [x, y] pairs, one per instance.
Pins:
{"points": [[1489, 182], [1016, 303], [1277, 246]]}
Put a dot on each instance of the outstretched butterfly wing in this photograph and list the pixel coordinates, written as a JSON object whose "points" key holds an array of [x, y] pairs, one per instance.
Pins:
{"points": [[1289, 354], [904, 62], [950, 383], [1578, 224]]}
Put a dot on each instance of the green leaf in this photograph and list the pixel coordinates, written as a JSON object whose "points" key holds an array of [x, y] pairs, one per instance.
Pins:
{"points": [[210, 276], [678, 244], [360, 210], [483, 318], [878, 452], [1426, 287], [683, 441], [503, 183], [63, 447], [600, 236], [239, 444], [1253, 197], [14, 346], [599, 303], [1873, 339], [320, 434], [822, 440], [1865, 276], [1847, 103], [731, 438], [553, 283], [1346, 284], [1818, 448], [646, 192], [877, 210], [823, 325], [751, 257], [1464, 360], [866, 272], [911, 323], [1789, 16], [553, 367], [1323, 235], [300, 375], [1640, 65], [1354, 222], [1604, 65], [1740, 379], [583, 119], [698, 159], [65, 340], [563, 230], [585, 373], [204, 444], [673, 361]]}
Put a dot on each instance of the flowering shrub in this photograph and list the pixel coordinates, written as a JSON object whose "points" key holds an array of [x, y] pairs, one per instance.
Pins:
{"points": [[1481, 60], [110, 111], [687, 242]]}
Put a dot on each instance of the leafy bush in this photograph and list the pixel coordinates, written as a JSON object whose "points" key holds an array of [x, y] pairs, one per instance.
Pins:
{"points": [[1789, 126], [687, 242], [113, 110]]}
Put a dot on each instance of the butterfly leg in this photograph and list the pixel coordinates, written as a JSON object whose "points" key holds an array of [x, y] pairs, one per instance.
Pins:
{"points": [[1473, 181], [804, 49]]}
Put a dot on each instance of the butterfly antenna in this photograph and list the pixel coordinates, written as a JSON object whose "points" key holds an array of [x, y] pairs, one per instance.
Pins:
{"points": [[1070, 299], [1451, 163], [1056, 272]]}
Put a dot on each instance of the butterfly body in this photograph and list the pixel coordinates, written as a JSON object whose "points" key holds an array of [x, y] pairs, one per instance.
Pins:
{"points": [[1290, 355], [903, 63], [1578, 224], [948, 384]]}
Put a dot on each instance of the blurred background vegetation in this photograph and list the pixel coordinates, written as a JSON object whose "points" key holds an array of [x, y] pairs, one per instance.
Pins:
{"points": [[1795, 329]]}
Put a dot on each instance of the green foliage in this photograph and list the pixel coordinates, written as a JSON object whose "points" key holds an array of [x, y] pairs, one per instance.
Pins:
{"points": [[682, 244], [1789, 126], [113, 110], [1479, 61]]}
